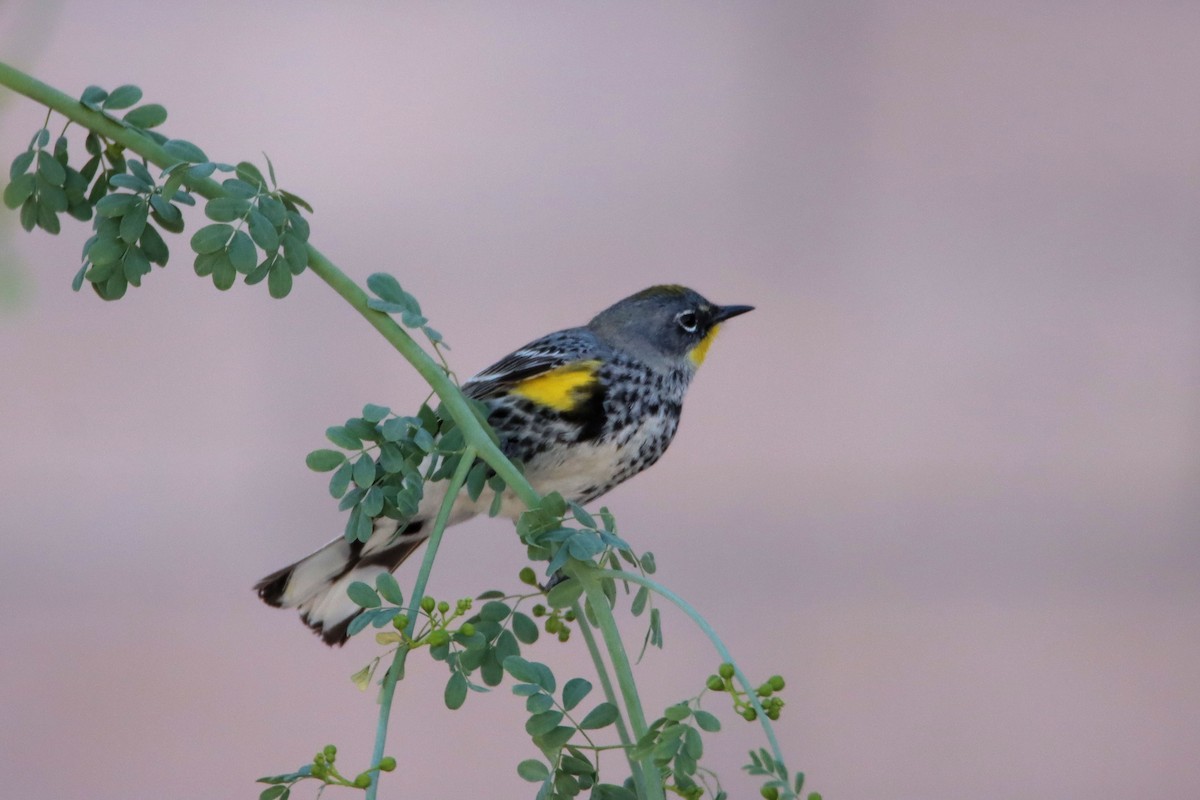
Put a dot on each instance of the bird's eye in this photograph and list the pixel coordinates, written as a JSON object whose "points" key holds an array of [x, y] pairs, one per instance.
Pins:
{"points": [[688, 321]]}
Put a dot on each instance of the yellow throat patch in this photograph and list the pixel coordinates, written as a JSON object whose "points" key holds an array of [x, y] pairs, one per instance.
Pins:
{"points": [[561, 388], [696, 354]]}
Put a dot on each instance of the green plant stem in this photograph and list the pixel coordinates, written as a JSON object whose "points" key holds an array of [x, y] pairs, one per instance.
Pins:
{"points": [[589, 638], [598, 602], [719, 645], [396, 670]]}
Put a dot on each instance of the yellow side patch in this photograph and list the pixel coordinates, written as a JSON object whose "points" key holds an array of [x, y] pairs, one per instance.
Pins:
{"points": [[696, 354], [561, 388]]}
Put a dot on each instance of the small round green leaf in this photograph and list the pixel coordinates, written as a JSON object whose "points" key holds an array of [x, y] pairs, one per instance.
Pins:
{"points": [[105, 251], [135, 265], [543, 723], [520, 669], [456, 691], [533, 770], [342, 438], [574, 691], [262, 231], [389, 589], [153, 246], [184, 151], [212, 238], [92, 96], [133, 222], [148, 116], [250, 174], [539, 703], [279, 279], [20, 190], [122, 97], [242, 254], [600, 716], [364, 471], [238, 188], [374, 413], [224, 273], [226, 209], [525, 629], [363, 595], [51, 197], [324, 460], [20, 164], [49, 168], [339, 482]]}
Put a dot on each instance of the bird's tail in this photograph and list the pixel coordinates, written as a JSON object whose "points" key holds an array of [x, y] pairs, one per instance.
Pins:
{"points": [[316, 584]]}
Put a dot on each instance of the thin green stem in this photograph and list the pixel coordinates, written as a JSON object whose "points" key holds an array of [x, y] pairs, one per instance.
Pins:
{"points": [[598, 602], [719, 645], [589, 638], [396, 670]]}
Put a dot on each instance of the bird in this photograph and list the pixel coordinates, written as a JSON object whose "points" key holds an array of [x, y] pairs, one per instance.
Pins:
{"points": [[584, 409]]}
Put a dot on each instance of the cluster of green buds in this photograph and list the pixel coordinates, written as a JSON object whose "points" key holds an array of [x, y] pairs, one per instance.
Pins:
{"points": [[441, 617], [767, 698], [325, 770], [557, 620]]}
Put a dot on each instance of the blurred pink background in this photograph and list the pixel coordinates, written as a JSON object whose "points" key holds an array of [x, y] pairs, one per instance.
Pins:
{"points": [[944, 479]]}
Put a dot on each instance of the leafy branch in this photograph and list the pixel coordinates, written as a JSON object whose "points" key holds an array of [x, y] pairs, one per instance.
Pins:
{"points": [[259, 231]]}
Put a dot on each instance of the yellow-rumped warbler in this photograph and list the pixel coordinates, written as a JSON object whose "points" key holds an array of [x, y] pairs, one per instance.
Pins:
{"points": [[584, 409]]}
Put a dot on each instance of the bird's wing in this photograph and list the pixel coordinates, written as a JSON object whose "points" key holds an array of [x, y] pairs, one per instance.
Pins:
{"points": [[550, 371]]}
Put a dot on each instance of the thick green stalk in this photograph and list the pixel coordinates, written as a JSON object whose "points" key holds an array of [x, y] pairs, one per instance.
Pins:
{"points": [[607, 624], [719, 645], [396, 670], [635, 767]]}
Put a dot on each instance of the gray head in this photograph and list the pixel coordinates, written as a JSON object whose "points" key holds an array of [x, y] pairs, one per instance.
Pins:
{"points": [[671, 324]]}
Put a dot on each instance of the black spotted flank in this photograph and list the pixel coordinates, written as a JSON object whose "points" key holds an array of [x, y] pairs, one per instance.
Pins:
{"points": [[589, 413]]}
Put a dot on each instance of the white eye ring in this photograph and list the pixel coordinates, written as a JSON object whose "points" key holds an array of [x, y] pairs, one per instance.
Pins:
{"points": [[687, 320]]}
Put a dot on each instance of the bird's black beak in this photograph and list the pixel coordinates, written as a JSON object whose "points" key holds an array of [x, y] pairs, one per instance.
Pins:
{"points": [[722, 313]]}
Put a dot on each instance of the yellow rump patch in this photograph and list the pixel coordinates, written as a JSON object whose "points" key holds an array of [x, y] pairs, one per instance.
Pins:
{"points": [[561, 388], [696, 354]]}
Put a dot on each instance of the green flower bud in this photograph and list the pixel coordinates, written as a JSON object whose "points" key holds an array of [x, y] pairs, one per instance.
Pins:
{"points": [[464, 605], [776, 683], [564, 634], [330, 752], [400, 622], [362, 781], [528, 576], [539, 610], [749, 715], [715, 683], [438, 638], [443, 607], [763, 691], [467, 629], [725, 671], [553, 624], [772, 714], [569, 616], [428, 604], [387, 764]]}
